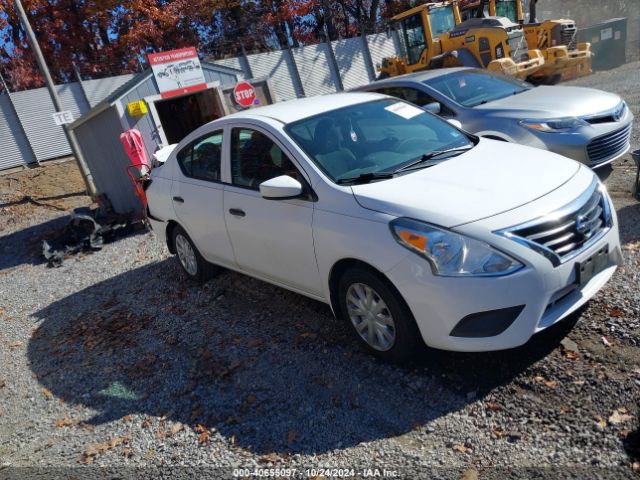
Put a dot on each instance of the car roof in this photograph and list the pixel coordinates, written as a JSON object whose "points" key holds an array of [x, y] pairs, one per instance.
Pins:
{"points": [[293, 110], [416, 76]]}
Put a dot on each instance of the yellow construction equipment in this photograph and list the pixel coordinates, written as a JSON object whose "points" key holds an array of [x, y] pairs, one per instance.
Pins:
{"points": [[434, 36], [565, 58]]}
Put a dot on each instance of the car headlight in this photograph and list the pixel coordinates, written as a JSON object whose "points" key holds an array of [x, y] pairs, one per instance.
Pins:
{"points": [[555, 124], [451, 254]]}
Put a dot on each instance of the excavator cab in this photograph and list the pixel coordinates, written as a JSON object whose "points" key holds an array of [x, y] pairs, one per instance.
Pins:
{"points": [[433, 35], [419, 29]]}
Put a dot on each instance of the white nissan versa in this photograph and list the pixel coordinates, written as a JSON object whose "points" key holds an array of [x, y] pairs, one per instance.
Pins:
{"points": [[410, 228]]}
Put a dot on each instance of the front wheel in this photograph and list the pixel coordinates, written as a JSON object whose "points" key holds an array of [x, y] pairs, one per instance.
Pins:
{"points": [[378, 316], [192, 263]]}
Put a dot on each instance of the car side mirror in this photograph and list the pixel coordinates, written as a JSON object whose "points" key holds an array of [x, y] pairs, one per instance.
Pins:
{"points": [[281, 188], [455, 123], [433, 107]]}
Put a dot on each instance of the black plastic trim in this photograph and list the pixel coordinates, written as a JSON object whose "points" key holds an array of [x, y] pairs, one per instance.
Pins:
{"points": [[486, 324]]}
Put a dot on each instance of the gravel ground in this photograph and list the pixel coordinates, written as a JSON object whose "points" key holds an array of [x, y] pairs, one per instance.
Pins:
{"points": [[116, 360]]}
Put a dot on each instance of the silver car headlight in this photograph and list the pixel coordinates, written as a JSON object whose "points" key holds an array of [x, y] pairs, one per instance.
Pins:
{"points": [[552, 125], [451, 254]]}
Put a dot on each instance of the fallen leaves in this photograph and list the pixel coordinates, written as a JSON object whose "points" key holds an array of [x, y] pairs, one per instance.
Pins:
{"points": [[270, 458], [619, 415], [203, 434], [14, 345], [292, 436], [549, 383], [89, 455], [458, 447], [47, 393], [470, 474], [600, 422], [493, 406], [615, 312], [66, 422], [606, 342]]}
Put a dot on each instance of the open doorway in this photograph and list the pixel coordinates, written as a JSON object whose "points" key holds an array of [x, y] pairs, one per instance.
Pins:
{"points": [[182, 115]]}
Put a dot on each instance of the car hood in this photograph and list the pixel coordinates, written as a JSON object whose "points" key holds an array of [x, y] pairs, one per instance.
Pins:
{"points": [[555, 102], [492, 178]]}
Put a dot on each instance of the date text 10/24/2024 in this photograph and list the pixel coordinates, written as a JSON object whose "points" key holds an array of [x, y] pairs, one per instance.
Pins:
{"points": [[314, 473]]}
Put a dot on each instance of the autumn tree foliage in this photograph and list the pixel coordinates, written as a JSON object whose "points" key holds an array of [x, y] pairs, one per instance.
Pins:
{"points": [[107, 37]]}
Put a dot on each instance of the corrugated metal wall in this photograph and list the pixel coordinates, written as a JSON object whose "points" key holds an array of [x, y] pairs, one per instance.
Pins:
{"points": [[98, 90], [35, 109], [277, 66], [316, 71], [382, 45], [315, 67], [350, 58], [14, 146]]}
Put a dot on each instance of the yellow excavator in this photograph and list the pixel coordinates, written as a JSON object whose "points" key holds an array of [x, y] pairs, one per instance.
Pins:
{"points": [[434, 36], [565, 58]]}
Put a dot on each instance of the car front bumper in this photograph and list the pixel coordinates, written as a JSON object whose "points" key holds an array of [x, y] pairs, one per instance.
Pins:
{"points": [[593, 145], [547, 293]]}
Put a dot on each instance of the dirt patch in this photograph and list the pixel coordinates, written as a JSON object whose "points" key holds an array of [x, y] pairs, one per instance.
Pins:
{"points": [[55, 186]]}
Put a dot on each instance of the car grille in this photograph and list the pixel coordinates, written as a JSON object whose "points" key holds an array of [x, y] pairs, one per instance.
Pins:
{"points": [[608, 146], [565, 233], [611, 116]]}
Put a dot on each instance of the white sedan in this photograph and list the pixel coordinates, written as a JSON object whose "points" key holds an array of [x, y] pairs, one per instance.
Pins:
{"points": [[411, 229]]}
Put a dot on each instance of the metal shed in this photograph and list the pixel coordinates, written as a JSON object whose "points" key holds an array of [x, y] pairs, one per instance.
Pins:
{"points": [[98, 132]]}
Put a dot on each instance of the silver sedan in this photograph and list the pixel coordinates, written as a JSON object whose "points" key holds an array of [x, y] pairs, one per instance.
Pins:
{"points": [[588, 125]]}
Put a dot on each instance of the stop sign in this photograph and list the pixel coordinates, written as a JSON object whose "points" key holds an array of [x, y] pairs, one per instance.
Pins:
{"points": [[244, 94]]}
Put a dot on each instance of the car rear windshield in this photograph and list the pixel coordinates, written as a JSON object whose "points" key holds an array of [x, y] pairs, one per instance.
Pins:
{"points": [[373, 137], [470, 88]]}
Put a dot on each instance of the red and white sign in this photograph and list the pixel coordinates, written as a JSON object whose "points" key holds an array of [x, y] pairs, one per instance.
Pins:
{"points": [[177, 72], [245, 95]]}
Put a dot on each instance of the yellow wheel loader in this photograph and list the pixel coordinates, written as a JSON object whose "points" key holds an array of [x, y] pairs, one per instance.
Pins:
{"points": [[433, 36], [564, 57]]}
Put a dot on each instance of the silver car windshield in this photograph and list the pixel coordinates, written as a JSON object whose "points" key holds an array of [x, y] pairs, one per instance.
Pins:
{"points": [[470, 88], [375, 138]]}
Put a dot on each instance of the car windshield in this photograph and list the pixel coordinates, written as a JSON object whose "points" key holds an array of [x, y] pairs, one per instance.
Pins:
{"points": [[374, 138], [470, 88]]}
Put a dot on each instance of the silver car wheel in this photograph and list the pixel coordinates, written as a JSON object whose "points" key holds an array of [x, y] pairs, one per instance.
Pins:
{"points": [[186, 255], [371, 317]]}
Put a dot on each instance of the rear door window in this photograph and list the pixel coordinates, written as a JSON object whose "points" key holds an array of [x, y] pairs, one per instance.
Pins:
{"points": [[201, 158]]}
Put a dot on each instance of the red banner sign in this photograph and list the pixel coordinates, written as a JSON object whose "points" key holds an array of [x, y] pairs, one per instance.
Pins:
{"points": [[177, 71]]}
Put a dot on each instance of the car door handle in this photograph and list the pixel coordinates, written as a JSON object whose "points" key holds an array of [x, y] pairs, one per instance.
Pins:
{"points": [[236, 212], [178, 199]]}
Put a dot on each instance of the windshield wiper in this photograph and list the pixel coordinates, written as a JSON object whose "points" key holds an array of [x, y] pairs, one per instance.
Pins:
{"points": [[430, 156], [366, 177]]}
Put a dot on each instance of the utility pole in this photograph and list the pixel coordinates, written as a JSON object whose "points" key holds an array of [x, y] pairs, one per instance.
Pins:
{"points": [[71, 135]]}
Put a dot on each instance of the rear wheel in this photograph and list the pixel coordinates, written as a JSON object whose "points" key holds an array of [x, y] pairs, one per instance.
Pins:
{"points": [[192, 263], [377, 314]]}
